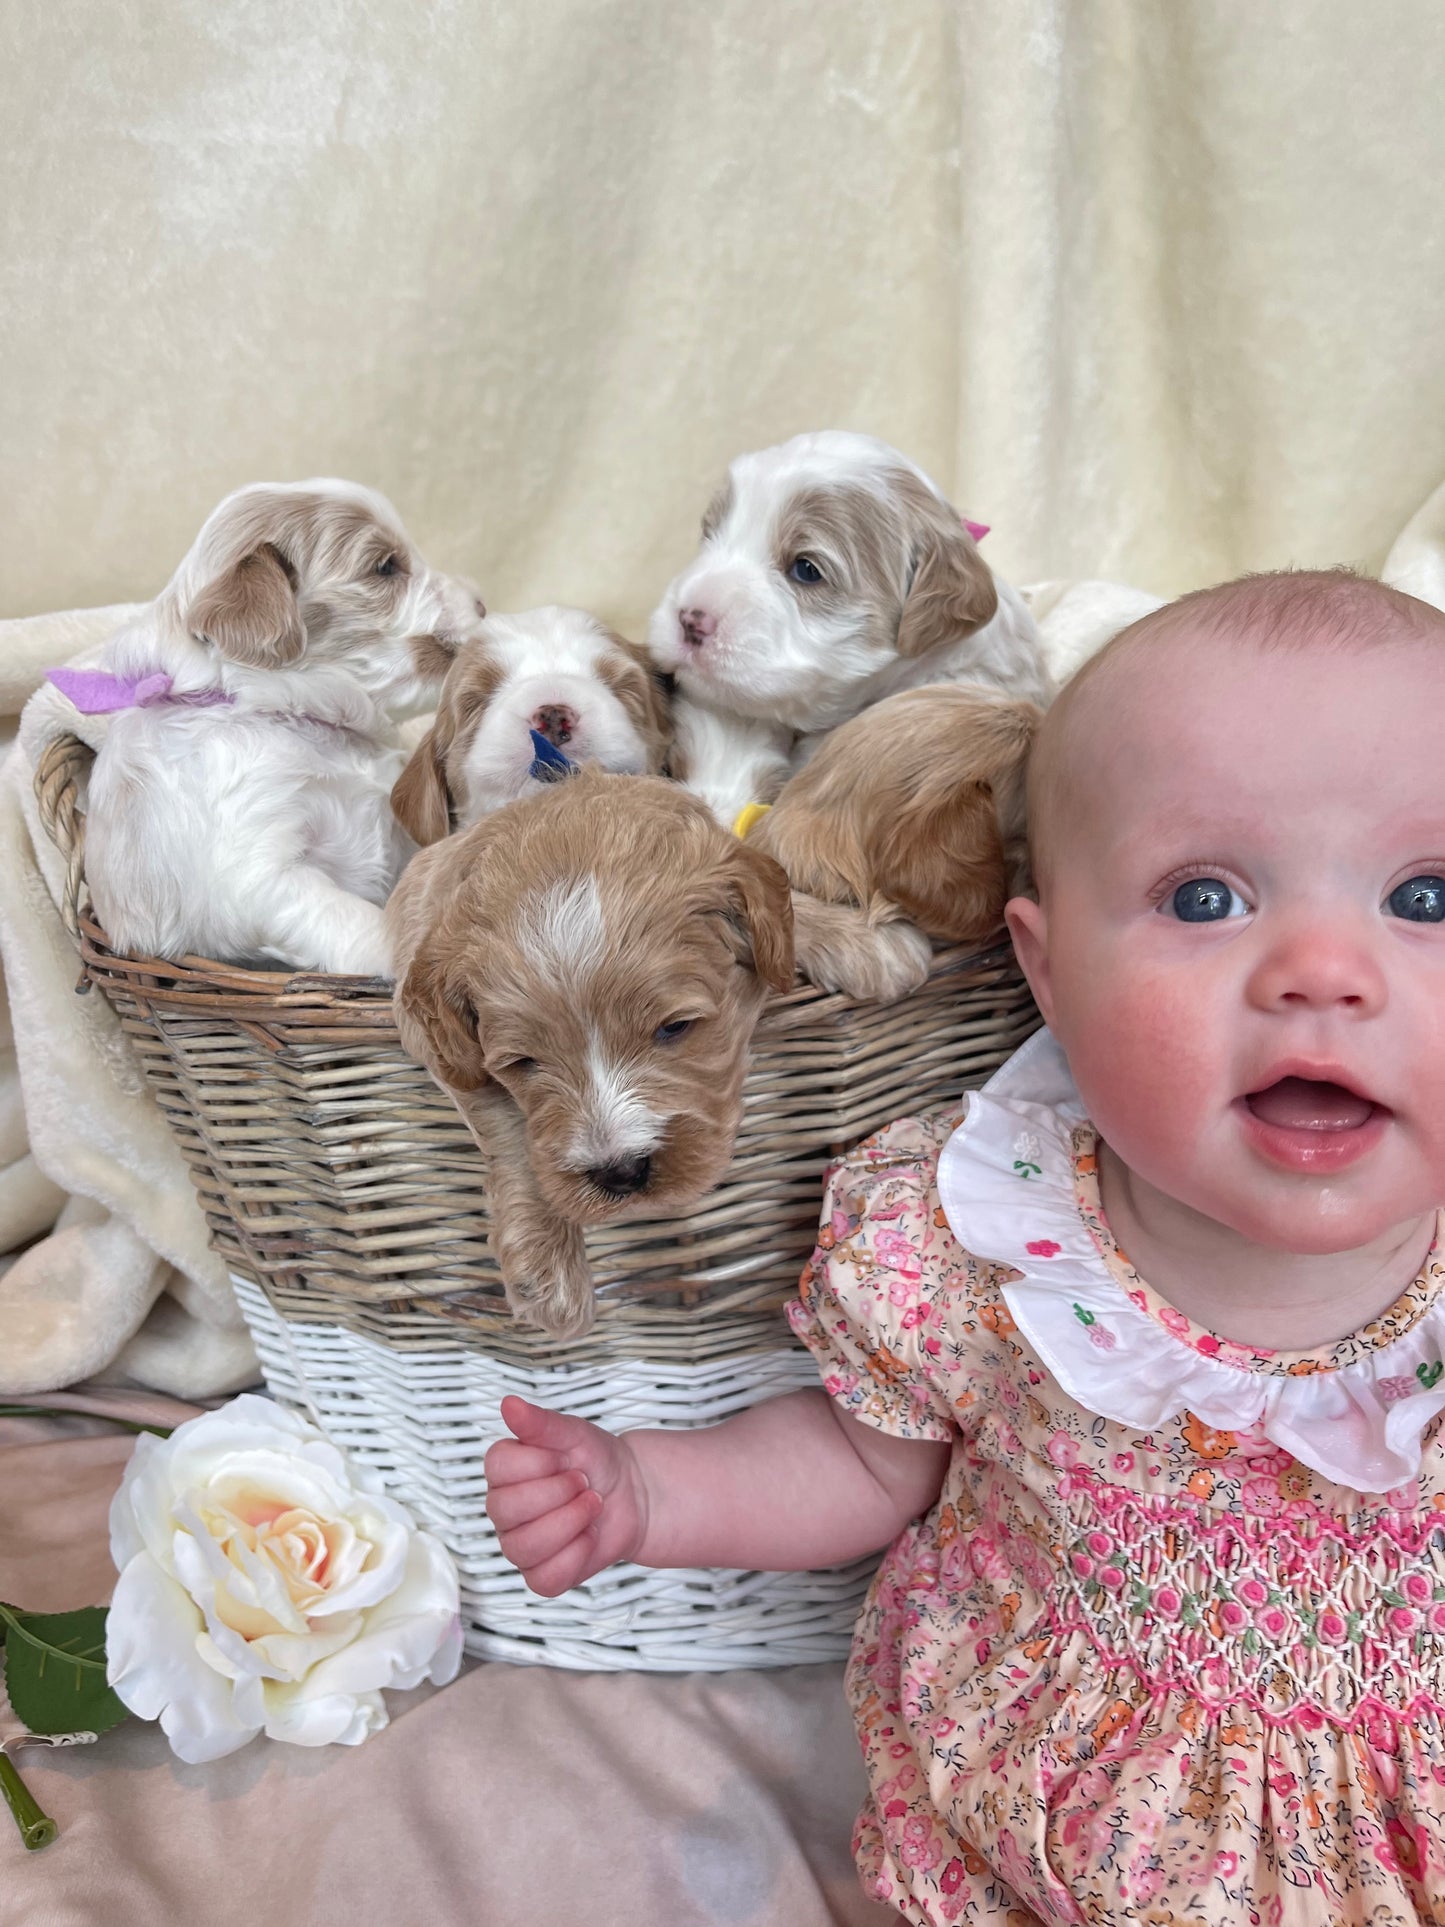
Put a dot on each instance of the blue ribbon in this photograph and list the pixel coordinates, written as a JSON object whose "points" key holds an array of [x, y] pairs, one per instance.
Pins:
{"points": [[549, 765]]}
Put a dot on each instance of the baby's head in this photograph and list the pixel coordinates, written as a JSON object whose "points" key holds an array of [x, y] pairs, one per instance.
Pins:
{"points": [[1237, 828]]}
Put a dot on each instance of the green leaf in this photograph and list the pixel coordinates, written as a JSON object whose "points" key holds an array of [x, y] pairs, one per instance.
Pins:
{"points": [[55, 1671]]}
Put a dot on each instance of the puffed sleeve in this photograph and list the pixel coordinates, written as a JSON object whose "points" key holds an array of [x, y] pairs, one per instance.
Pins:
{"points": [[884, 1301]]}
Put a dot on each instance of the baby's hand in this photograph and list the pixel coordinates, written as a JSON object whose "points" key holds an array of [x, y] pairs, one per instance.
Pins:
{"points": [[565, 1496]]}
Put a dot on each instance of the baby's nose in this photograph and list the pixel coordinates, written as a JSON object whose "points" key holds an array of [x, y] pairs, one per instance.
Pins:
{"points": [[1312, 966]]}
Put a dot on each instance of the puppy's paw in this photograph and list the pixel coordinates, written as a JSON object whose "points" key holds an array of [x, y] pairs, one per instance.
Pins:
{"points": [[552, 1288], [901, 963], [839, 949]]}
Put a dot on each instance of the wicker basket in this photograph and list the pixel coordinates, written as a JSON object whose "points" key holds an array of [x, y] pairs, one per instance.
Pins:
{"points": [[346, 1196]]}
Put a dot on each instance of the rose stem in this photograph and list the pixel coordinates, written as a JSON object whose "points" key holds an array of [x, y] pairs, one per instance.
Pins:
{"points": [[37, 1829]]}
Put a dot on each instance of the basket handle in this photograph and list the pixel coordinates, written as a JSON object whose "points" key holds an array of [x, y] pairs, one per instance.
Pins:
{"points": [[63, 764]]}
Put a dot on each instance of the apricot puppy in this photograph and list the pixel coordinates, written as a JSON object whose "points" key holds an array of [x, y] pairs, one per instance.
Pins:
{"points": [[582, 972], [912, 816]]}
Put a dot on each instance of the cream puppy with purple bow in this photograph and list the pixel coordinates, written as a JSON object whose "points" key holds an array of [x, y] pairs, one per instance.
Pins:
{"points": [[239, 806]]}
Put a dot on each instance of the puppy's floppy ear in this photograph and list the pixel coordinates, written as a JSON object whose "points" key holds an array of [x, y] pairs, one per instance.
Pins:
{"points": [[433, 656], [249, 612], [420, 798], [645, 693], [438, 1022], [951, 591], [764, 912]]}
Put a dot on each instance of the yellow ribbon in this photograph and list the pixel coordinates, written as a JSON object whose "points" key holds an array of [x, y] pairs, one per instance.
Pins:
{"points": [[748, 815]]}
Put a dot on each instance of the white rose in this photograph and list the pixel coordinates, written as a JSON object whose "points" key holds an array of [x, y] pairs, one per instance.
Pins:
{"points": [[265, 1588]]}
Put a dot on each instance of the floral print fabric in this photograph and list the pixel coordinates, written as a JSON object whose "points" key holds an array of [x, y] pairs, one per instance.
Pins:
{"points": [[1121, 1676]]}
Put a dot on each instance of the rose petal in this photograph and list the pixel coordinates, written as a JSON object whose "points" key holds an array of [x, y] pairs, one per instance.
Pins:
{"points": [[243, 1656], [202, 1568], [290, 1656], [154, 1666], [386, 1561], [405, 1636], [309, 1719]]}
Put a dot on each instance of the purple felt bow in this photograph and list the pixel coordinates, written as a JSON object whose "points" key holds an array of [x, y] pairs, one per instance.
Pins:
{"points": [[94, 693], [978, 530]]}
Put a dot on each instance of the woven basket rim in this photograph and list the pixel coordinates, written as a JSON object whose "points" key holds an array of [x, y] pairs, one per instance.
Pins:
{"points": [[296, 991]]}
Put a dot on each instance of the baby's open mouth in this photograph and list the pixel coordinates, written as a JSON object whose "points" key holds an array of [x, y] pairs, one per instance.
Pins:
{"points": [[1310, 1104]]}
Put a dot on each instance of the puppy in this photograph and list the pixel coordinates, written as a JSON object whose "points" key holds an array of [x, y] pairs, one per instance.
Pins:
{"points": [[913, 813], [832, 573], [582, 972], [239, 806], [554, 673]]}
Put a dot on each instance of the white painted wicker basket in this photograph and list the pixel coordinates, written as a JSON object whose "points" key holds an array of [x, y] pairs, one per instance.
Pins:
{"points": [[423, 1420]]}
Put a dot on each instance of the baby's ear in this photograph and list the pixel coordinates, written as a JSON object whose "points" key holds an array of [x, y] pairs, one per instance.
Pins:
{"points": [[420, 798], [764, 912], [249, 611], [438, 1022], [1029, 928]]}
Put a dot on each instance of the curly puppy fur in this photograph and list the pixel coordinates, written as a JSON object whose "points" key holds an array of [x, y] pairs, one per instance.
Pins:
{"points": [[913, 813]]}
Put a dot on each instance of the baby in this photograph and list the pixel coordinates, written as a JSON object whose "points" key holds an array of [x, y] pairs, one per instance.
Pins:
{"points": [[1137, 1370]]}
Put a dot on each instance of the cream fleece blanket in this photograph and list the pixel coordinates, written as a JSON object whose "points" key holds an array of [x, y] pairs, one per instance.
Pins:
{"points": [[124, 1277]]}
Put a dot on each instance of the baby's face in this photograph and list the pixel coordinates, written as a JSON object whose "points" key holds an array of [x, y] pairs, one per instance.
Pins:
{"points": [[1240, 945]]}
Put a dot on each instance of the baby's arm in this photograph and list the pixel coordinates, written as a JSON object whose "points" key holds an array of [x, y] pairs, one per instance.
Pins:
{"points": [[786, 1485]]}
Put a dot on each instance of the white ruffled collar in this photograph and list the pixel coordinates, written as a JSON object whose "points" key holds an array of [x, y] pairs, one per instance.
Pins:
{"points": [[1007, 1182]]}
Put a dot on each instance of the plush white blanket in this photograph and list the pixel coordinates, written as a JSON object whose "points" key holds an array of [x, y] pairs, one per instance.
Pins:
{"points": [[120, 1274]]}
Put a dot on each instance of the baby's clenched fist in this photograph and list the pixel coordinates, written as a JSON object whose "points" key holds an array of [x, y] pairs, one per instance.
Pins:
{"points": [[565, 1497]]}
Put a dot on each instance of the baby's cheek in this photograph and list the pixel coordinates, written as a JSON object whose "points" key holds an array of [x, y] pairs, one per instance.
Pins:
{"points": [[1147, 1059]]}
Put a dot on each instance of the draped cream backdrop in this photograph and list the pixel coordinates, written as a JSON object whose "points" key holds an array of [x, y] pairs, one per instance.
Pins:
{"points": [[1154, 286]]}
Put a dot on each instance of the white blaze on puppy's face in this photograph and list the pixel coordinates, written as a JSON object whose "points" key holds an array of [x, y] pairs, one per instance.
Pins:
{"points": [[562, 932], [783, 598], [617, 1123], [596, 956]]}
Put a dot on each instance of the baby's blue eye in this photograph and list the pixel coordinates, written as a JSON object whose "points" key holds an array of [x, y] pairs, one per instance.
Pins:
{"points": [[1418, 900], [803, 568], [1206, 900]]}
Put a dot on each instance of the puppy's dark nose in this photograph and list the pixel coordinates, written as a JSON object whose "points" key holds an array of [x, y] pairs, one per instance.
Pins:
{"points": [[556, 722], [623, 1177], [697, 625]]}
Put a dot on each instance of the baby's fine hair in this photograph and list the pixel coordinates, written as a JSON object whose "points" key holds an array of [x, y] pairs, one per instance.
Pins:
{"points": [[1288, 609]]}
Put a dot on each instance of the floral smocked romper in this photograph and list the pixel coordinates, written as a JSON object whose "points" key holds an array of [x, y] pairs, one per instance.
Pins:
{"points": [[1170, 1647]]}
